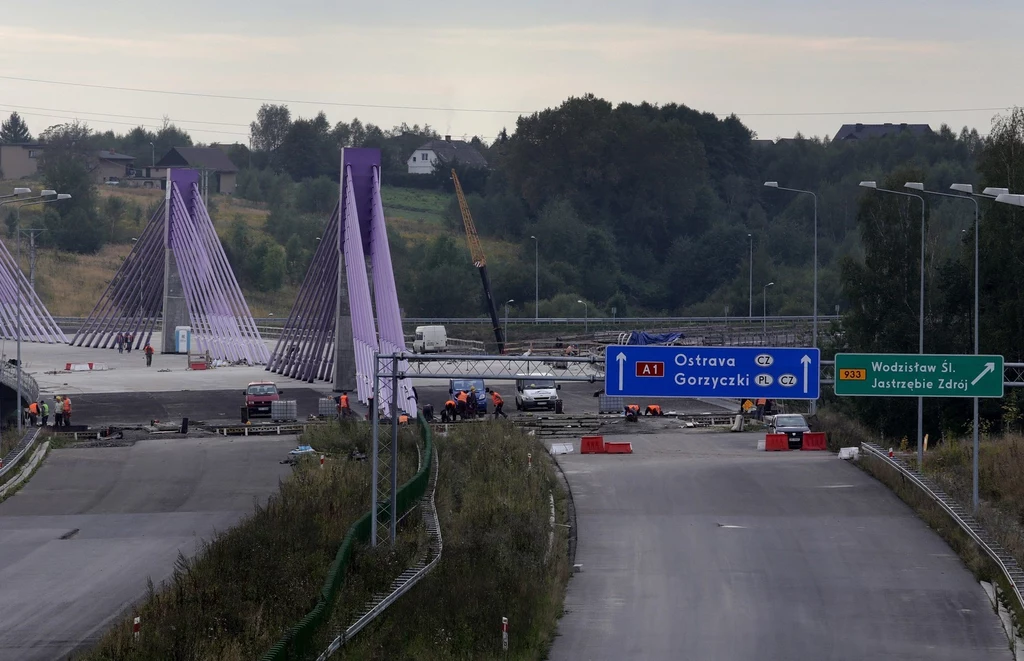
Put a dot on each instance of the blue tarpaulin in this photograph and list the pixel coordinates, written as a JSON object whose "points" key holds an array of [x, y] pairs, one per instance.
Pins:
{"points": [[641, 338]]}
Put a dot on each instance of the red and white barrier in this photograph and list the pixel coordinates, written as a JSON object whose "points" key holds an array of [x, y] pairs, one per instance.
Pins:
{"points": [[84, 367]]}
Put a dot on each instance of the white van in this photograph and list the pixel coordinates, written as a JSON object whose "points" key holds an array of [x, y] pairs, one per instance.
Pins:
{"points": [[537, 391], [430, 339]]}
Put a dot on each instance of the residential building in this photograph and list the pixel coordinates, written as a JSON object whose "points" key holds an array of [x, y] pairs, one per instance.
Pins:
{"points": [[112, 167], [867, 131], [222, 171], [20, 161], [446, 152]]}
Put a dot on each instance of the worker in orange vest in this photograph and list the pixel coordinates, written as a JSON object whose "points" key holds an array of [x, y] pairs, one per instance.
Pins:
{"points": [[632, 412], [462, 404], [653, 409], [33, 413], [344, 410], [403, 419], [448, 414], [760, 408], [67, 411], [148, 349], [498, 403]]}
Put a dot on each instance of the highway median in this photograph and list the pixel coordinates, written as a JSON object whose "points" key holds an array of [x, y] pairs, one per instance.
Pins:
{"points": [[499, 560]]}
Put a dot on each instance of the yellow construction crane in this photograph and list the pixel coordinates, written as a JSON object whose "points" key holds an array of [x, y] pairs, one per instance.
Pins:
{"points": [[476, 251]]}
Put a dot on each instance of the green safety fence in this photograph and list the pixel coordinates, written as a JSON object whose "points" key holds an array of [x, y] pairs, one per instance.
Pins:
{"points": [[297, 641]]}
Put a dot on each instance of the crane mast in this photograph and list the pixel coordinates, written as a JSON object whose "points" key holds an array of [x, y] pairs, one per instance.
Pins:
{"points": [[476, 252]]}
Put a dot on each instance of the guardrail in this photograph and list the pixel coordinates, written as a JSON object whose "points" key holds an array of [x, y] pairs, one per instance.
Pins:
{"points": [[407, 579], [277, 322], [297, 642], [19, 452], [1007, 564]]}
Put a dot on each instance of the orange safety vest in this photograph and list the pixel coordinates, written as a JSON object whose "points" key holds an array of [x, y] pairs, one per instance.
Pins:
{"points": [[449, 404], [496, 398], [33, 408], [654, 408], [761, 402], [635, 408], [403, 419], [67, 406], [462, 397], [344, 401]]}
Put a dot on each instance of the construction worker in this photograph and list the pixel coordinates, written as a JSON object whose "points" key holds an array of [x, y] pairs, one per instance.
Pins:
{"points": [[148, 350], [344, 410], [58, 412], [462, 404], [632, 412], [428, 412], [33, 413], [448, 414], [761, 401], [67, 411], [472, 402], [44, 410], [403, 419], [498, 403], [653, 409]]}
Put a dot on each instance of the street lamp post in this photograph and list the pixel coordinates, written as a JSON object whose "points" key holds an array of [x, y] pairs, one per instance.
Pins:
{"points": [[989, 193], [764, 313], [152, 155], [586, 315], [920, 333], [774, 184], [511, 300], [750, 301], [40, 199], [536, 278]]}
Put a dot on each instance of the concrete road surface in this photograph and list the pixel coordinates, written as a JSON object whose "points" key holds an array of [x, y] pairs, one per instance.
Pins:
{"points": [[699, 547], [210, 406], [126, 513]]}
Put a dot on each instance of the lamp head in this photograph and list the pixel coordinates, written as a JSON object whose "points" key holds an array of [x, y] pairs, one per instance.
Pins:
{"points": [[963, 188], [868, 184], [769, 284], [533, 237], [22, 191], [771, 184], [1015, 200], [48, 193], [914, 185], [64, 196], [579, 301], [995, 192]]}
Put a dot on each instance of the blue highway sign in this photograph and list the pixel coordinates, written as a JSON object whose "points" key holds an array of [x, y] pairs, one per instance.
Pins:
{"points": [[733, 372]]}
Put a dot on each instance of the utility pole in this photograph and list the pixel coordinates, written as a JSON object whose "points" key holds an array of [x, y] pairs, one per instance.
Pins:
{"points": [[32, 232]]}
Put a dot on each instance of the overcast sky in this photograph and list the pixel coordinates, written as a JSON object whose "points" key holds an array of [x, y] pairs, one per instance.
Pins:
{"points": [[782, 65]]}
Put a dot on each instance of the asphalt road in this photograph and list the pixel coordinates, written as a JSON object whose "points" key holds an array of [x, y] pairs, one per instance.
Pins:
{"points": [[211, 406], [699, 547], [134, 509]]}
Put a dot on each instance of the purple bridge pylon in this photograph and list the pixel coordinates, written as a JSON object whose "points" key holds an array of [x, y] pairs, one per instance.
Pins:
{"points": [[177, 274], [36, 323], [331, 333]]}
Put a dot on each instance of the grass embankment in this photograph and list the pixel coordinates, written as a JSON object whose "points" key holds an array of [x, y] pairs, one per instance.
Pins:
{"points": [[1001, 492], [251, 583], [495, 522]]}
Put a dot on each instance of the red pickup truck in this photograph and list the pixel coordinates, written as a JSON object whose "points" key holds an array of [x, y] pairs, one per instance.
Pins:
{"points": [[259, 395]]}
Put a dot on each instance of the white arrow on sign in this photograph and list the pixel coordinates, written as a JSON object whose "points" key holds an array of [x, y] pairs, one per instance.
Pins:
{"points": [[622, 362], [806, 360], [989, 367]]}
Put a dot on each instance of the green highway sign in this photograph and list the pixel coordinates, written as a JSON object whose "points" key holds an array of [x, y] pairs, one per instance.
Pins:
{"points": [[918, 375]]}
